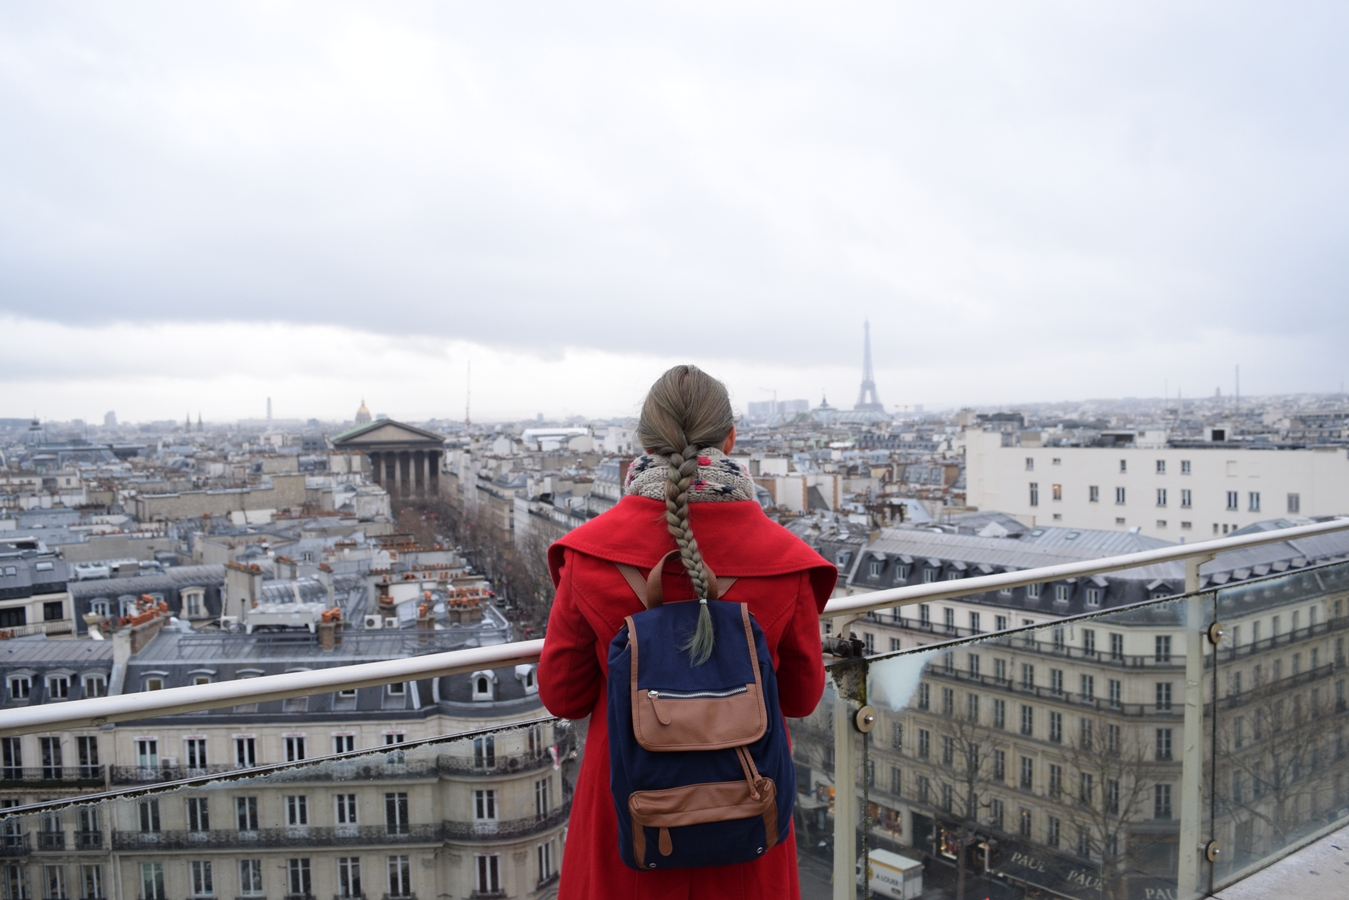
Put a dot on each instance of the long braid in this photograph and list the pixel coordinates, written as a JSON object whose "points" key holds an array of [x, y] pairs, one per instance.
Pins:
{"points": [[686, 409]]}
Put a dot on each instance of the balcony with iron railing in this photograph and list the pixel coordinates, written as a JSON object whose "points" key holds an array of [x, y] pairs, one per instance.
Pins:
{"points": [[1190, 808], [50, 777]]}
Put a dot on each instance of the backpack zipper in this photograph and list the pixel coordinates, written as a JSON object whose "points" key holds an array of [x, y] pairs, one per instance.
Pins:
{"points": [[694, 695]]}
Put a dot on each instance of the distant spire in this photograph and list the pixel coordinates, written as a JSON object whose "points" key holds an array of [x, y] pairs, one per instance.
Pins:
{"points": [[868, 377]]}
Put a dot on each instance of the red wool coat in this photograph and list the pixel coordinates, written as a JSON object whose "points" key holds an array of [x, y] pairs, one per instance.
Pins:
{"points": [[785, 584]]}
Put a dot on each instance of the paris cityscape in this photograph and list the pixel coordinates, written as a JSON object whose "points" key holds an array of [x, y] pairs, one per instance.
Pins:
{"points": [[324, 328]]}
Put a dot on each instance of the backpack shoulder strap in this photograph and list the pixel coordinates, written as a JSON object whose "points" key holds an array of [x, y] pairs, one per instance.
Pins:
{"points": [[648, 589]]}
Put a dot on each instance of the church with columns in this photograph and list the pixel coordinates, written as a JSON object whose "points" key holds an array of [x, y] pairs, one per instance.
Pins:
{"points": [[404, 460]]}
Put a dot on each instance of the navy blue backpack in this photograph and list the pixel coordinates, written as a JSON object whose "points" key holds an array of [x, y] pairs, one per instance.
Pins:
{"points": [[699, 765]]}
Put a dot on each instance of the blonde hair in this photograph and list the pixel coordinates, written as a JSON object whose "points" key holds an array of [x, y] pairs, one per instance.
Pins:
{"points": [[686, 410]]}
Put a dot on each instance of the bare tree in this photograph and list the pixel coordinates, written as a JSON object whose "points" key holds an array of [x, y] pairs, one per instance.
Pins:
{"points": [[1113, 787]]}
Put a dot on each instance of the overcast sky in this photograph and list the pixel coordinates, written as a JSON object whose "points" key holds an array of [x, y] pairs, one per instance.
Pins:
{"points": [[203, 205]]}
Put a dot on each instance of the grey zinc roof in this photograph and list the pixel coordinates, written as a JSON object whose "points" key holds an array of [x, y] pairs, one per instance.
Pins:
{"points": [[171, 578], [39, 650]]}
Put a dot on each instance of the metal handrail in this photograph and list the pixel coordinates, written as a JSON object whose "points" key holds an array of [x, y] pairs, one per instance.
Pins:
{"points": [[93, 712]]}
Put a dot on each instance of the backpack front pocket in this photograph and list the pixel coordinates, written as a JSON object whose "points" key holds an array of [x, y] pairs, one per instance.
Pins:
{"points": [[715, 807], [698, 720]]}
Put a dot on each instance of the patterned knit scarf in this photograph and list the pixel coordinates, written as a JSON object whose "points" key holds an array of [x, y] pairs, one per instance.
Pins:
{"points": [[718, 478]]}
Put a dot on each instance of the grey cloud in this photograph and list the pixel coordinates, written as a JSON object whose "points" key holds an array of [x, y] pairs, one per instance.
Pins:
{"points": [[964, 175]]}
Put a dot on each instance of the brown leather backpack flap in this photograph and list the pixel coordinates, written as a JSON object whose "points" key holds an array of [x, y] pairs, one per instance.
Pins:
{"points": [[698, 723], [698, 804], [695, 804]]}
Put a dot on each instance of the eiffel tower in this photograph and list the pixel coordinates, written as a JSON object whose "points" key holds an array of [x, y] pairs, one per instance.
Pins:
{"points": [[868, 378]]}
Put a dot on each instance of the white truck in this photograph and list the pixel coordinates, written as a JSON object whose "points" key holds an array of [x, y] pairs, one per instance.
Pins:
{"points": [[892, 875]]}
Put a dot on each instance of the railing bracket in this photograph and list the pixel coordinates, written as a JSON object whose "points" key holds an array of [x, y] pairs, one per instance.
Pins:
{"points": [[865, 720], [1215, 633], [1211, 851]]}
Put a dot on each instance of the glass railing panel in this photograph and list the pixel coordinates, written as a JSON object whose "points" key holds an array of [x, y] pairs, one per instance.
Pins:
{"points": [[1046, 759], [1281, 742], [813, 752], [481, 814]]}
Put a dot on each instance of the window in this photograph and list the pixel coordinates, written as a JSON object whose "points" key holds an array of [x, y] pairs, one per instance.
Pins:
{"points": [[948, 748], [1084, 843], [1052, 831], [1161, 467], [1114, 693], [1056, 727], [152, 881], [545, 853], [344, 743], [400, 876], [897, 735], [202, 883], [154, 684], [1254, 501], [1000, 670], [1000, 622], [1161, 801], [294, 748], [1030, 464], [946, 797], [1094, 494], [948, 706], [20, 686], [1084, 735], [1027, 773], [58, 687], [245, 752], [246, 813], [874, 568], [1034, 493], [1024, 826], [1061, 593], [1163, 744], [1119, 496], [1117, 647], [894, 644], [1295, 503], [999, 713], [1186, 498], [297, 878], [91, 877], [87, 748], [50, 749], [348, 877], [949, 615], [1057, 490], [148, 814], [929, 576], [1232, 499], [924, 696], [1087, 688], [297, 810], [396, 813], [1123, 466], [1027, 720], [925, 611], [1056, 681], [198, 814], [1163, 696], [397, 689], [924, 743], [974, 627], [484, 805], [543, 797], [996, 812], [1033, 591], [869, 642], [95, 686], [344, 809], [1163, 649], [194, 750], [1027, 677], [999, 766], [923, 787], [393, 737], [484, 752], [489, 873], [896, 781], [250, 877], [1161, 496]]}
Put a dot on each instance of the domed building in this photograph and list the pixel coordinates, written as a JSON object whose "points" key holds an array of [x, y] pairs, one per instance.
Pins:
{"points": [[363, 414]]}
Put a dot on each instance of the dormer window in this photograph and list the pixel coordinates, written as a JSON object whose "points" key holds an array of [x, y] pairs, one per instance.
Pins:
{"points": [[526, 675], [398, 689], [20, 686], [58, 687], [484, 685], [154, 684], [95, 686]]}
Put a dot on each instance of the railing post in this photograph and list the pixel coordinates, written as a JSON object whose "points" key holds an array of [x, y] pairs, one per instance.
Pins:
{"points": [[1192, 755]]}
